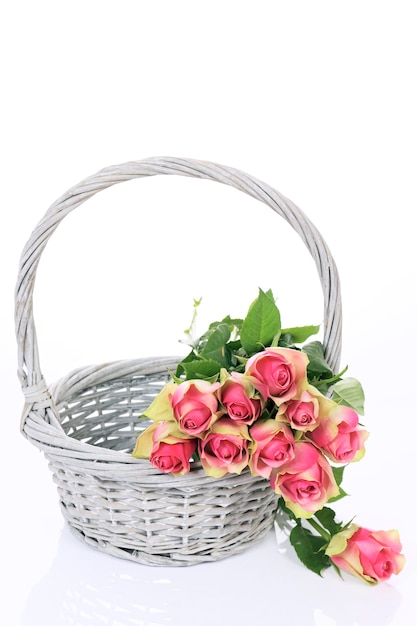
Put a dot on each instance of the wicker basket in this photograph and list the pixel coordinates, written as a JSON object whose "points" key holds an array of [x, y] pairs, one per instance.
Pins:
{"points": [[86, 424]]}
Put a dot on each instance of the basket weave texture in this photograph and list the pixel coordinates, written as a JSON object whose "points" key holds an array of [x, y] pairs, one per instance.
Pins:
{"points": [[87, 423]]}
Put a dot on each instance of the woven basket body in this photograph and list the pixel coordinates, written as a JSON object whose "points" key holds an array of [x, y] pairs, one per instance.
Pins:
{"points": [[87, 423]]}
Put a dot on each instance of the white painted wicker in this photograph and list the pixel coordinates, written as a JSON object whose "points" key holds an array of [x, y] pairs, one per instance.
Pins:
{"points": [[87, 423]]}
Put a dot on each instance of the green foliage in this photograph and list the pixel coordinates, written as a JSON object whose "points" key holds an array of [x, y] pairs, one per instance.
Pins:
{"points": [[310, 537], [338, 474], [262, 323], [326, 518], [310, 548], [285, 509], [205, 370], [214, 345], [231, 341], [318, 366], [350, 393], [300, 334]]}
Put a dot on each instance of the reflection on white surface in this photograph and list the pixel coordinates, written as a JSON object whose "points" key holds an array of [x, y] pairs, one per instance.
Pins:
{"points": [[265, 584]]}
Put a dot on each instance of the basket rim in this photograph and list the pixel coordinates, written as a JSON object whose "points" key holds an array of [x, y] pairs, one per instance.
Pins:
{"points": [[86, 458]]}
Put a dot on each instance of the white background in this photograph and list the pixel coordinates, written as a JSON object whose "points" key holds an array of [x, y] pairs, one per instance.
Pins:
{"points": [[318, 99]]}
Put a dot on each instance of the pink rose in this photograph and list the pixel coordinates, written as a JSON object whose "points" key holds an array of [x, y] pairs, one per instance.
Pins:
{"points": [[306, 482], [371, 555], [339, 436], [225, 448], [273, 445], [303, 414], [280, 373], [171, 452], [238, 396], [195, 406]]}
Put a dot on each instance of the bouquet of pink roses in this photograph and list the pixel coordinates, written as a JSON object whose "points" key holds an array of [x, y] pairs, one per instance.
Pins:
{"points": [[253, 396]]}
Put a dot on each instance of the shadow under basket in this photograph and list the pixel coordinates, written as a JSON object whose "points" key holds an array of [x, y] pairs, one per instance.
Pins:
{"points": [[88, 422], [131, 510]]}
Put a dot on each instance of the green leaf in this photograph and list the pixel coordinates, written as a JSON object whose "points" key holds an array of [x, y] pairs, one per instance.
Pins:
{"points": [[349, 392], [318, 365], [338, 474], [214, 347], [285, 509], [300, 333], [326, 518], [201, 369], [233, 323], [234, 346], [327, 383], [310, 549], [191, 356], [262, 323], [285, 340]]}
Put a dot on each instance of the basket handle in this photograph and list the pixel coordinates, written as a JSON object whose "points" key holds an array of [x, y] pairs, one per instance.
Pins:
{"points": [[33, 384]]}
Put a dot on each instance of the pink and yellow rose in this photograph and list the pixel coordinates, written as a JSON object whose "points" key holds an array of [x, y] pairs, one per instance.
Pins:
{"points": [[240, 399], [303, 414], [339, 436], [272, 446], [306, 482], [167, 448], [280, 373], [370, 555], [195, 406], [225, 448]]}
